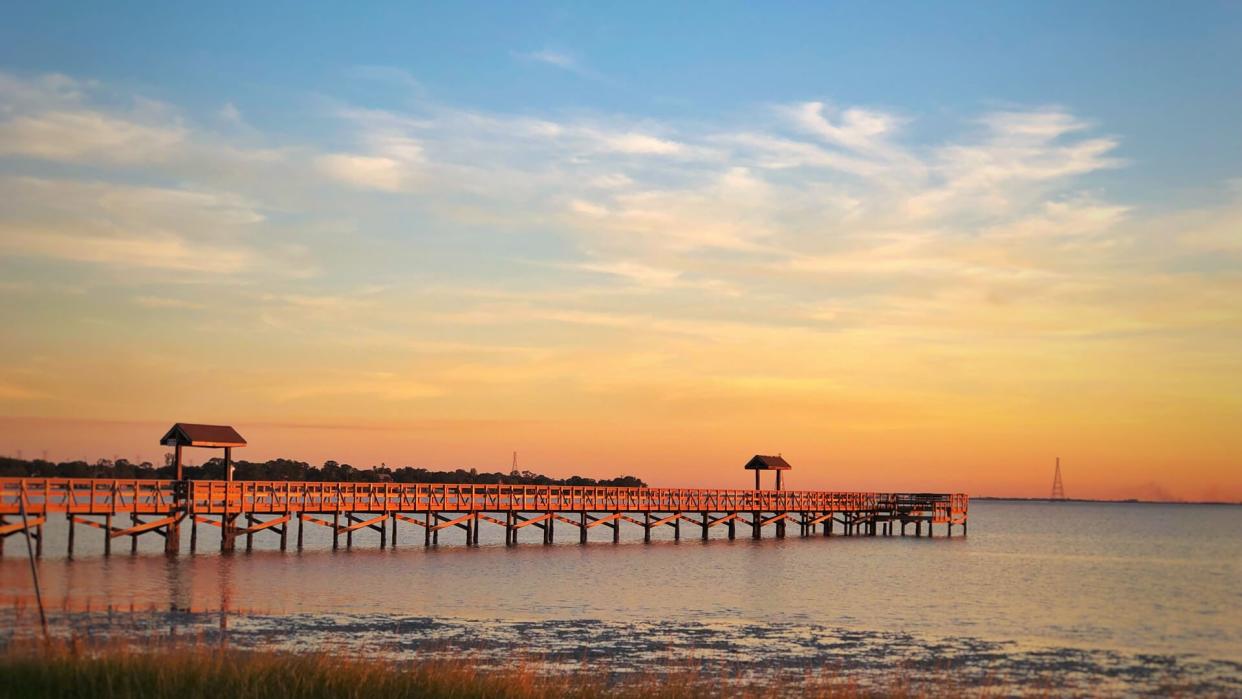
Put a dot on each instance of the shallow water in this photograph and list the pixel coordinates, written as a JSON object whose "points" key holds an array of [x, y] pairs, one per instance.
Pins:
{"points": [[1124, 598]]}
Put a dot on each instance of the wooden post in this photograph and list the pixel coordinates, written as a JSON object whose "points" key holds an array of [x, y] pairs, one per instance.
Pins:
{"points": [[435, 534], [616, 528], [828, 524], [756, 479], [250, 520], [39, 541], [918, 528], [646, 527], [705, 525], [778, 480], [70, 547], [510, 532], [427, 529], [383, 532], [133, 538], [172, 530], [108, 534], [336, 530], [2, 523], [582, 528], [349, 535], [177, 461], [550, 522], [193, 534], [394, 530], [284, 532], [301, 523], [677, 528], [732, 528], [755, 530]]}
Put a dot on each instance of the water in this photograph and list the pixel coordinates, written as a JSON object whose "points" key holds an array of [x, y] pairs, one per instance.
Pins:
{"points": [[1081, 597]]}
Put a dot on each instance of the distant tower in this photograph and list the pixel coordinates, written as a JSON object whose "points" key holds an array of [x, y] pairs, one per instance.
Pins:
{"points": [[513, 471], [1058, 488]]}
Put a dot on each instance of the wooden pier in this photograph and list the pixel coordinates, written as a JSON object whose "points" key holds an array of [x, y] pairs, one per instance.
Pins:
{"points": [[120, 509]]}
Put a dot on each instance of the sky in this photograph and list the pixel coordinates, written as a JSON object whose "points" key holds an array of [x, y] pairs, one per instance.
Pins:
{"points": [[909, 246]]}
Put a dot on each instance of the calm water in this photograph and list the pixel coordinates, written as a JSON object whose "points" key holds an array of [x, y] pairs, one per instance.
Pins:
{"points": [[1095, 598]]}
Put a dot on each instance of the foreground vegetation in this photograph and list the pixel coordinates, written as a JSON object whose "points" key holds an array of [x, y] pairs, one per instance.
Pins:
{"points": [[192, 671]]}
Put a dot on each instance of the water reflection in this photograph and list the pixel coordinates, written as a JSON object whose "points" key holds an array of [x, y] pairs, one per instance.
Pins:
{"points": [[1132, 578]]}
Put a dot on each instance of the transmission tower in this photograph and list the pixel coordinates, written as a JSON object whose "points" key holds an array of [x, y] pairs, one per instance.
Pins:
{"points": [[1058, 488], [514, 471]]}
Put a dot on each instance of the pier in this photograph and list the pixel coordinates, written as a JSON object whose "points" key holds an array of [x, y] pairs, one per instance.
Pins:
{"points": [[130, 508], [126, 509]]}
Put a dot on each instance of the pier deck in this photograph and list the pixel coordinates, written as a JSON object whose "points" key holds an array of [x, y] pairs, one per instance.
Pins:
{"points": [[160, 507]]}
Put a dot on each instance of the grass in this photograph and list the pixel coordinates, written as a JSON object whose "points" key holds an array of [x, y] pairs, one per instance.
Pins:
{"points": [[189, 671]]}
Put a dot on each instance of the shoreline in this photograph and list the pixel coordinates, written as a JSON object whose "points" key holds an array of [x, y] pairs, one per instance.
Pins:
{"points": [[999, 498], [787, 655]]}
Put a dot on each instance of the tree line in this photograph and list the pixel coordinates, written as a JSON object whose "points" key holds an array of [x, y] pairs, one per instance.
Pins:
{"points": [[289, 470]]}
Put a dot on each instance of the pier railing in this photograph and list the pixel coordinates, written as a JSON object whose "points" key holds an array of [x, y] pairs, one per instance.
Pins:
{"points": [[247, 508], [150, 496]]}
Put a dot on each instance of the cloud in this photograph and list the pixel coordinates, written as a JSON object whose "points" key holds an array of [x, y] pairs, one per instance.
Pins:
{"points": [[853, 128], [151, 251], [86, 136], [562, 60], [365, 171], [167, 302], [127, 227], [552, 58]]}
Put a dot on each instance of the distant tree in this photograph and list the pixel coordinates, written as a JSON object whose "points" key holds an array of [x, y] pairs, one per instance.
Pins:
{"points": [[289, 470]]}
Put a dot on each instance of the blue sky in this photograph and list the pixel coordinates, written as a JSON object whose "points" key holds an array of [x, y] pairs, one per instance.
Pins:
{"points": [[876, 234], [1164, 76]]}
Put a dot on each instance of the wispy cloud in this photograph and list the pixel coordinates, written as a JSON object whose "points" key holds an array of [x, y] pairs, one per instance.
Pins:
{"points": [[562, 60]]}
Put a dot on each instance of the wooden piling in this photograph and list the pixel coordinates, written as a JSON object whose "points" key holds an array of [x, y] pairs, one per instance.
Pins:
{"points": [[108, 534], [646, 527], [193, 534], [301, 524], [69, 546], [336, 530]]}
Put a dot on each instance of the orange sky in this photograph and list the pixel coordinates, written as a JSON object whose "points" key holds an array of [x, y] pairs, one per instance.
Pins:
{"points": [[440, 285]]}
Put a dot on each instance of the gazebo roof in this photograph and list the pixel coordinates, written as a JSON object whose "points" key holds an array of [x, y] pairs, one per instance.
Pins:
{"points": [[189, 435], [767, 463]]}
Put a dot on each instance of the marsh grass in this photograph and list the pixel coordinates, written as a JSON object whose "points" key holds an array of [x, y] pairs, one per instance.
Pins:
{"points": [[156, 670]]}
